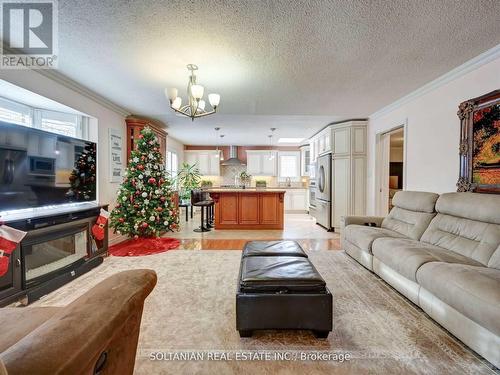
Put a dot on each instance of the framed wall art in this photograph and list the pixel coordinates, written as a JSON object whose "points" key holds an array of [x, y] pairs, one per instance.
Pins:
{"points": [[480, 144], [115, 155]]}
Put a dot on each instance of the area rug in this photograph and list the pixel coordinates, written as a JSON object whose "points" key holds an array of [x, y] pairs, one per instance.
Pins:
{"points": [[143, 246], [192, 309]]}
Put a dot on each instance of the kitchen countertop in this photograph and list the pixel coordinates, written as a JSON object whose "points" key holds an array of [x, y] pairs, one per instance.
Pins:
{"points": [[246, 190], [282, 188]]}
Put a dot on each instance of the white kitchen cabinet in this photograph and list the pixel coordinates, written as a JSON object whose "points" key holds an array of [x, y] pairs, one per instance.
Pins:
{"points": [[347, 143], [254, 161], [261, 163], [312, 151], [349, 171], [190, 158], [269, 165], [44, 146], [328, 140], [296, 200], [305, 160], [204, 163], [206, 160]]}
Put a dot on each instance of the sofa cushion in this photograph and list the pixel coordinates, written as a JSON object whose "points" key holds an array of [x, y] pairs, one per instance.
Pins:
{"points": [[363, 236], [418, 201], [473, 291], [466, 223], [494, 261], [467, 205], [406, 256], [18, 322], [412, 213]]}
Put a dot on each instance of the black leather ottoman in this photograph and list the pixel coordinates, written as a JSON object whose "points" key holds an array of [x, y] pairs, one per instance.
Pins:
{"points": [[282, 292], [273, 248]]}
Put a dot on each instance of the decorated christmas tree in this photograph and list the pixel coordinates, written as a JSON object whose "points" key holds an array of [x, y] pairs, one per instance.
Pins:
{"points": [[82, 178], [145, 206]]}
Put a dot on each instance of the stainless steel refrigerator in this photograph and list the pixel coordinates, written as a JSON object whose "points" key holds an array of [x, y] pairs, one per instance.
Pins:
{"points": [[323, 196]]}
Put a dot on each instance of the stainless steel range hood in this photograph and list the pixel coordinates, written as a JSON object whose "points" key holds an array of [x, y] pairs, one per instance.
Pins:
{"points": [[233, 157]]}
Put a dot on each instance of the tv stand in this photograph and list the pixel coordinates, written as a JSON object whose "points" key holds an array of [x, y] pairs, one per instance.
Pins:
{"points": [[59, 247]]}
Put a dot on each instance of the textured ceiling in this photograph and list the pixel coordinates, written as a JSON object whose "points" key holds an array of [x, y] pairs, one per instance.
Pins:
{"points": [[310, 61]]}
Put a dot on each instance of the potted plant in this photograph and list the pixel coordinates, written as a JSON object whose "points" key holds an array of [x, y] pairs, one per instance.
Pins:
{"points": [[206, 184], [188, 179], [260, 183], [245, 178]]}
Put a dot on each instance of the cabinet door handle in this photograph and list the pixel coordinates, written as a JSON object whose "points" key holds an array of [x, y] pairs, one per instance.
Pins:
{"points": [[18, 262]]}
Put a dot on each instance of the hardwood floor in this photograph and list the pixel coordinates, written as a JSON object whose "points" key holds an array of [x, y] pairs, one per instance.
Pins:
{"points": [[299, 227], [232, 244]]}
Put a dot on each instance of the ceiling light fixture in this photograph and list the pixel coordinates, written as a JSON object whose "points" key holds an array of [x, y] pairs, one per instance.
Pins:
{"points": [[270, 136], [217, 155], [290, 140], [222, 153], [196, 105]]}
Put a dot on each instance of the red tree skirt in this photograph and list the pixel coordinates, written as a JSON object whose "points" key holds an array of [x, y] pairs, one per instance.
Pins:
{"points": [[143, 246]]}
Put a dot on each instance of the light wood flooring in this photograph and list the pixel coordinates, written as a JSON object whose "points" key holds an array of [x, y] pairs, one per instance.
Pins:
{"points": [[299, 227]]}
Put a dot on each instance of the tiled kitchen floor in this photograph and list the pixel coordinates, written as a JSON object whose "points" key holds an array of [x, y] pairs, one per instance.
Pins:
{"points": [[300, 227]]}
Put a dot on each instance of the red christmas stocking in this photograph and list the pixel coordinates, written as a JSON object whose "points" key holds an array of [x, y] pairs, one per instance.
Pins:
{"points": [[9, 238], [100, 224]]}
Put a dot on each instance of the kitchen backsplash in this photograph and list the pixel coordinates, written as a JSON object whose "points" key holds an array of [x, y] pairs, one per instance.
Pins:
{"points": [[228, 174]]}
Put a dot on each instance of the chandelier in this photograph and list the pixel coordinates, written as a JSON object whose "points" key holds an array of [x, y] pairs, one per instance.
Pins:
{"points": [[195, 106]]}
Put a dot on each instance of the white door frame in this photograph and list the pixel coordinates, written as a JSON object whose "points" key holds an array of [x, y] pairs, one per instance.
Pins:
{"points": [[380, 206]]}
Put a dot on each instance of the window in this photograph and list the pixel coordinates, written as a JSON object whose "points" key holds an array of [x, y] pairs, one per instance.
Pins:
{"points": [[15, 113], [60, 123], [69, 124], [289, 165], [172, 163]]}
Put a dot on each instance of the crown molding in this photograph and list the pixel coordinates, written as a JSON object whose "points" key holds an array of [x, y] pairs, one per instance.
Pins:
{"points": [[82, 90], [478, 61]]}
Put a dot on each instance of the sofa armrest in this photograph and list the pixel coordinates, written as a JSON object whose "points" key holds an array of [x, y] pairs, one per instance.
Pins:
{"points": [[106, 319], [362, 220]]}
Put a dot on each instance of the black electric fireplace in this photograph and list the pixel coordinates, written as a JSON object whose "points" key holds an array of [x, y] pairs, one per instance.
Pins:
{"points": [[53, 251], [57, 248]]}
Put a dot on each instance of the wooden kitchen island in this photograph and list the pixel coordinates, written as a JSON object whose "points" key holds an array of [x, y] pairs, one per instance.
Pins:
{"points": [[252, 208]]}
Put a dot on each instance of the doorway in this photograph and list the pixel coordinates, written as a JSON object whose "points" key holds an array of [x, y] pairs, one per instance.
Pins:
{"points": [[391, 167]]}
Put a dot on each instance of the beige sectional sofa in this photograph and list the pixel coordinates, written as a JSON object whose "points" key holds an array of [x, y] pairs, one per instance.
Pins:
{"points": [[443, 253]]}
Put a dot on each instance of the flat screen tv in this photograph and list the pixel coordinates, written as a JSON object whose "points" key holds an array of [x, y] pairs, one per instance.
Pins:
{"points": [[39, 168]]}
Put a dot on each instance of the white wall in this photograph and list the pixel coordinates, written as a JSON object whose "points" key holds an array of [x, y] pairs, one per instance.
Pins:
{"points": [[106, 119], [433, 131], [173, 145]]}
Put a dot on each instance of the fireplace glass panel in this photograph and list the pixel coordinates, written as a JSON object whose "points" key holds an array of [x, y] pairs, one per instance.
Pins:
{"points": [[52, 255]]}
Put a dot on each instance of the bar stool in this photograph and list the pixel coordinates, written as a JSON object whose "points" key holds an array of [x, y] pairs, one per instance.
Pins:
{"points": [[210, 210], [198, 200]]}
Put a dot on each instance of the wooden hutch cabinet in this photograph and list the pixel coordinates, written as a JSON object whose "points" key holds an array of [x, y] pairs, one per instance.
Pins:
{"points": [[134, 127]]}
